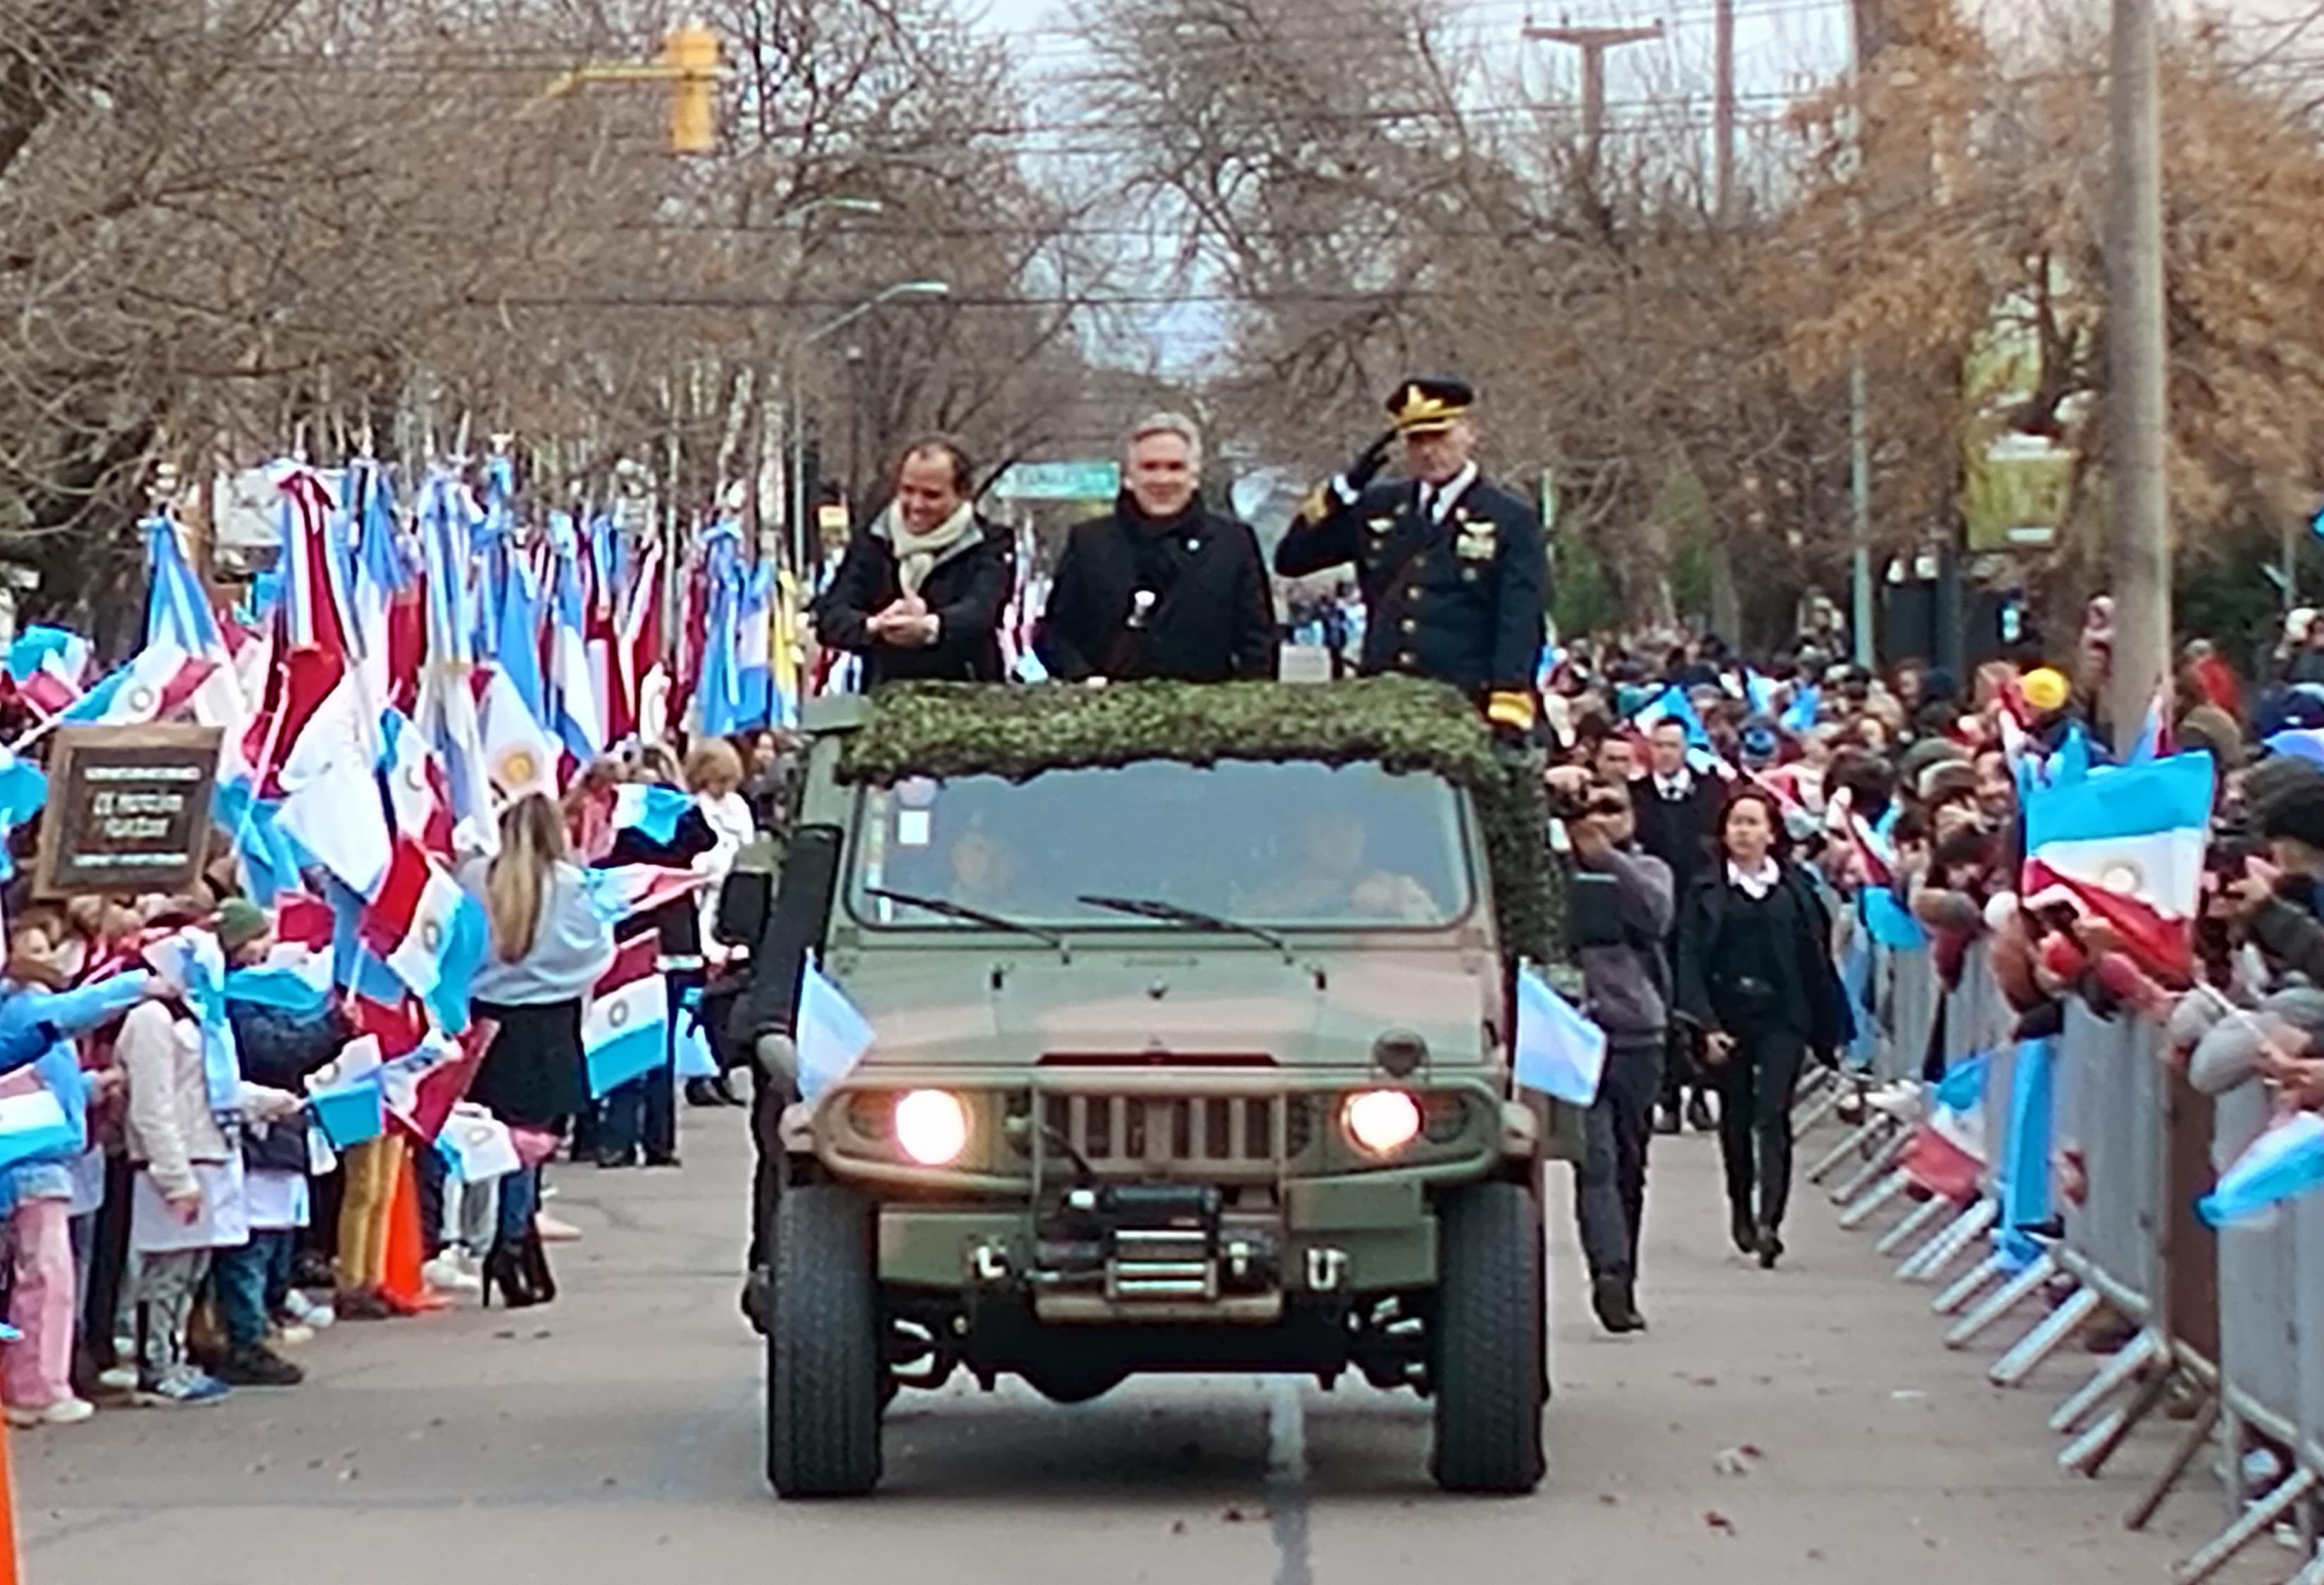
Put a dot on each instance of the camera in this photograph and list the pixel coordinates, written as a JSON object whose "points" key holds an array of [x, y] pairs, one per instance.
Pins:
{"points": [[2233, 842], [1567, 805]]}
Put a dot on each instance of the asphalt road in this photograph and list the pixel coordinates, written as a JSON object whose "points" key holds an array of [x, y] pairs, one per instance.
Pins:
{"points": [[614, 1436]]}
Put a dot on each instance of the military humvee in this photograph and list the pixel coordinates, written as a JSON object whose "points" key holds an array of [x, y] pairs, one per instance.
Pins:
{"points": [[1191, 1025]]}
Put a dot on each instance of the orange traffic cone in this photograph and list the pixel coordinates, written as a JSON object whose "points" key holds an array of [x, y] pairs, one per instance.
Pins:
{"points": [[8, 1511], [401, 1282]]}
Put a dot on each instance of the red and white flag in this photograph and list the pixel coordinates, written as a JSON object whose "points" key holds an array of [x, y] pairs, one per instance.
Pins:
{"points": [[2126, 844], [158, 681]]}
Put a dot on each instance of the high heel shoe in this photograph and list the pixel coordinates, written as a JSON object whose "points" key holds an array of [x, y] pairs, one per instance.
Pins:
{"points": [[504, 1270], [532, 1264]]}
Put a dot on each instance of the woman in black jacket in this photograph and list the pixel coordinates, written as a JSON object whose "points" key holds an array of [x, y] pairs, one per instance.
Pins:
{"points": [[1755, 975], [920, 592]]}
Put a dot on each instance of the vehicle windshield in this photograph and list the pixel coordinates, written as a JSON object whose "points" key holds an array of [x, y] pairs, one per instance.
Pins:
{"points": [[1284, 845]]}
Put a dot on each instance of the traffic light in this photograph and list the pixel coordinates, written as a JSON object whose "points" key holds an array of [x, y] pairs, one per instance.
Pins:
{"points": [[690, 56]]}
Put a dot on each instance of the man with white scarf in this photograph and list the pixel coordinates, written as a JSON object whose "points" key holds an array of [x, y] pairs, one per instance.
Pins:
{"points": [[920, 592]]}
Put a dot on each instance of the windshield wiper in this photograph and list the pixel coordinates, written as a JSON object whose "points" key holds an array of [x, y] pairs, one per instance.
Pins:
{"points": [[1192, 918], [962, 911]]}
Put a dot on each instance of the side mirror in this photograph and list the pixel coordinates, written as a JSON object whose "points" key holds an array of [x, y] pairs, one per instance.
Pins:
{"points": [[743, 902], [1593, 911], [794, 927]]}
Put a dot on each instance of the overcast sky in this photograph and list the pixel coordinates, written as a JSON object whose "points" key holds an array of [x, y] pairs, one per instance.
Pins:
{"points": [[1784, 48]]}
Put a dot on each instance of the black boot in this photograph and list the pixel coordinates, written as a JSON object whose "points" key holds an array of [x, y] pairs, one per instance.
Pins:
{"points": [[1744, 1230], [1771, 1248], [1609, 1297], [1698, 1113], [698, 1093], [723, 1089], [533, 1261], [504, 1270]]}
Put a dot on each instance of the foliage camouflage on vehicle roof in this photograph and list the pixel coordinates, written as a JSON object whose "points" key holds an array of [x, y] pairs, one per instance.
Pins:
{"points": [[943, 729]]}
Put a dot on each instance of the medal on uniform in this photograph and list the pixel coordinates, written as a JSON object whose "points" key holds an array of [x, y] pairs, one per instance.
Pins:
{"points": [[1474, 541]]}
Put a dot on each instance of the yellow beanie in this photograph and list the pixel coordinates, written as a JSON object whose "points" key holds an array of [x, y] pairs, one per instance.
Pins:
{"points": [[2046, 690]]}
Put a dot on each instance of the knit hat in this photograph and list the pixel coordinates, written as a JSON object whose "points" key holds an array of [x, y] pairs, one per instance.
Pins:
{"points": [[241, 921], [2046, 689], [1915, 761], [2276, 777], [2297, 812], [2287, 709], [1947, 779]]}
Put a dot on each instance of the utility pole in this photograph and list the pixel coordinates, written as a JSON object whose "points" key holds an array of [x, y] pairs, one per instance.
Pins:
{"points": [[1593, 43], [2139, 525], [1722, 113], [1725, 602], [1868, 27]]}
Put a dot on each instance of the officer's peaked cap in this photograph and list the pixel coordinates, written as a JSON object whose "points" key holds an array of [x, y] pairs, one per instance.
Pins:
{"points": [[1430, 404]]}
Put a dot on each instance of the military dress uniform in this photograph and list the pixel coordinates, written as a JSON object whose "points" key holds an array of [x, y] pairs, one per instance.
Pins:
{"points": [[1455, 578]]}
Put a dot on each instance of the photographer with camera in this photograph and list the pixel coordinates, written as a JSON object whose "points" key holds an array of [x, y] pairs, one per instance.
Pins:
{"points": [[2280, 898], [1626, 984]]}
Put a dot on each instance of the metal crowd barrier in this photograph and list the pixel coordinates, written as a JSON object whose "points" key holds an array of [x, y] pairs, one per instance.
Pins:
{"points": [[2110, 1253]]}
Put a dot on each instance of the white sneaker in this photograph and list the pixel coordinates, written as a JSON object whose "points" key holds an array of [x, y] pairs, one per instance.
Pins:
{"points": [[447, 1272], [184, 1387], [120, 1378], [306, 1312], [292, 1334], [63, 1412]]}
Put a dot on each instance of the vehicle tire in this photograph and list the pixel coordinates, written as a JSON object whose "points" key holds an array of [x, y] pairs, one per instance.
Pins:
{"points": [[1486, 1361], [824, 1357]]}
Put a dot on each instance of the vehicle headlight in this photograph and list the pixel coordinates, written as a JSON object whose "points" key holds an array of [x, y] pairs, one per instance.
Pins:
{"points": [[1381, 1121], [931, 1127]]}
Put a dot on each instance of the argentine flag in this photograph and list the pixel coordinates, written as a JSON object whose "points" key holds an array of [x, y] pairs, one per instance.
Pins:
{"points": [[1559, 1052], [833, 1035], [2285, 1162]]}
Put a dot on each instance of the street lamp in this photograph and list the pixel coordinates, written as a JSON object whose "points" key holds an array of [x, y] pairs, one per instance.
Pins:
{"points": [[802, 538]]}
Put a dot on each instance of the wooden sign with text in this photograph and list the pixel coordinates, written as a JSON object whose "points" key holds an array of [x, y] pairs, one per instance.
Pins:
{"points": [[129, 809]]}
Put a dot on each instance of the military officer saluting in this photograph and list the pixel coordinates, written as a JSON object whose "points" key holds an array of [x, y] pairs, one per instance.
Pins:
{"points": [[1453, 568]]}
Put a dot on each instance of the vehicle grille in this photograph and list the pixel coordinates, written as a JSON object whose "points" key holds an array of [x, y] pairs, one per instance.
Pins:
{"points": [[1195, 1137]]}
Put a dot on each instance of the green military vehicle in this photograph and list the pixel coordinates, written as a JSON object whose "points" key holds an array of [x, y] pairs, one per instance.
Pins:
{"points": [[1192, 1027]]}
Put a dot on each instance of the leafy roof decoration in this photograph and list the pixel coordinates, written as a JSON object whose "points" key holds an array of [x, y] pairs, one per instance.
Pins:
{"points": [[943, 729]]}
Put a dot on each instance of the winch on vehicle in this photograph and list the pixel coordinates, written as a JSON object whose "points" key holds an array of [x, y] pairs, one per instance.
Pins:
{"points": [[1118, 1251]]}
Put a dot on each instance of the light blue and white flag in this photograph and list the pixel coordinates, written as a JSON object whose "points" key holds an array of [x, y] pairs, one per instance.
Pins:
{"points": [[650, 809], [576, 717], [2284, 1162], [1672, 704], [833, 1035], [1798, 716], [625, 1034], [35, 1123], [1559, 1052]]}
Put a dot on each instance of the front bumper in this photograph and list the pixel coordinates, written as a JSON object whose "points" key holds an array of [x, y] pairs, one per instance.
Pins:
{"points": [[1334, 1239]]}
